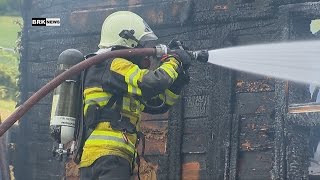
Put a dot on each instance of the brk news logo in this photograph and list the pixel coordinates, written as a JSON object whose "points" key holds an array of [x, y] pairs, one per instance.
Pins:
{"points": [[45, 21]]}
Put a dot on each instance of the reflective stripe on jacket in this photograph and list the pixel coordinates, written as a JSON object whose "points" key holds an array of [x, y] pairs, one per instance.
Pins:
{"points": [[121, 75]]}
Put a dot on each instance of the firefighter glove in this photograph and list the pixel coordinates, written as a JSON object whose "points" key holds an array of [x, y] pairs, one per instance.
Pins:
{"points": [[183, 57], [182, 80]]}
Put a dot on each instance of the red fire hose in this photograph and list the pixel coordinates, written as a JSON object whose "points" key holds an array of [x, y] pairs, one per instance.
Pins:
{"points": [[23, 108]]}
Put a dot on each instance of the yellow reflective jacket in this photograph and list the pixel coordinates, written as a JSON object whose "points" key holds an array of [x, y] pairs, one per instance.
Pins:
{"points": [[122, 75]]}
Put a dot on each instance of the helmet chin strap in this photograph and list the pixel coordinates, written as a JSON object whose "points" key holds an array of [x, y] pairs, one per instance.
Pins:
{"points": [[129, 34]]}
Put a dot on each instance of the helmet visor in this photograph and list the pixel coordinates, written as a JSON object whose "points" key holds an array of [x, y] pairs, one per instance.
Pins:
{"points": [[148, 37]]}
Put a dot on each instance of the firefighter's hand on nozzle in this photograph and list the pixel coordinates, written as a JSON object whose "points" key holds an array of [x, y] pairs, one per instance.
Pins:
{"points": [[184, 57], [183, 78], [201, 56]]}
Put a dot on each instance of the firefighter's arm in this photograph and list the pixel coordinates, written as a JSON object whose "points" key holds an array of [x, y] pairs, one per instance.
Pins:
{"points": [[162, 85], [169, 97], [143, 82]]}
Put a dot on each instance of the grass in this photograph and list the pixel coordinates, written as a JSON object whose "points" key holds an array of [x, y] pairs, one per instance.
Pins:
{"points": [[6, 108], [9, 31], [9, 58]]}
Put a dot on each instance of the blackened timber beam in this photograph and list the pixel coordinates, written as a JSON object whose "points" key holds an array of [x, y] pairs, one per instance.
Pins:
{"points": [[279, 167], [304, 119], [306, 114], [309, 9], [175, 128], [281, 94], [234, 148], [159, 14], [304, 108]]}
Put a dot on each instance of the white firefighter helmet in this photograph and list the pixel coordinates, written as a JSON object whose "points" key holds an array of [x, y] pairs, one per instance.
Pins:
{"points": [[125, 28]]}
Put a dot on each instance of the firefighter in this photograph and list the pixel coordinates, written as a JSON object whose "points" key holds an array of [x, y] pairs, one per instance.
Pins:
{"points": [[118, 90]]}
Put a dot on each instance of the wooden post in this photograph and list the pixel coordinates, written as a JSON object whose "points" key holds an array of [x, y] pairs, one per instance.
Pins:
{"points": [[4, 166]]}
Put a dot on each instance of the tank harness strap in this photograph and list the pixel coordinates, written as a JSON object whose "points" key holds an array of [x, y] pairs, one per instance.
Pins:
{"points": [[89, 122], [80, 126], [96, 114]]}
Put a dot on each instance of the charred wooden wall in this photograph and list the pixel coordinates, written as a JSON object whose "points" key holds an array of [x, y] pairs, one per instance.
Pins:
{"points": [[228, 124]]}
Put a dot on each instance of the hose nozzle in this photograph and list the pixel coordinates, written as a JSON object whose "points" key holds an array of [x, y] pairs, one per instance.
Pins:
{"points": [[201, 55]]}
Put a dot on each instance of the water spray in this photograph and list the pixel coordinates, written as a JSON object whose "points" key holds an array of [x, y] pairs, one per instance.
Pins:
{"points": [[296, 61]]}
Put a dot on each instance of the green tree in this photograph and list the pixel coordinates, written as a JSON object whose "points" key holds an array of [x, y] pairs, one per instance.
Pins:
{"points": [[8, 75], [10, 7]]}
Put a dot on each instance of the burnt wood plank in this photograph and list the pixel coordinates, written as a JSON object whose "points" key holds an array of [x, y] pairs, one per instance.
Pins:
{"points": [[304, 108]]}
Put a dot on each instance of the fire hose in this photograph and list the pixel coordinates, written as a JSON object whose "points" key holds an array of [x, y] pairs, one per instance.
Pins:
{"points": [[158, 51]]}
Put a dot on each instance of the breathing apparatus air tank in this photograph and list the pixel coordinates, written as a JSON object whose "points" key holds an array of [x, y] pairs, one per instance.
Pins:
{"points": [[66, 102]]}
